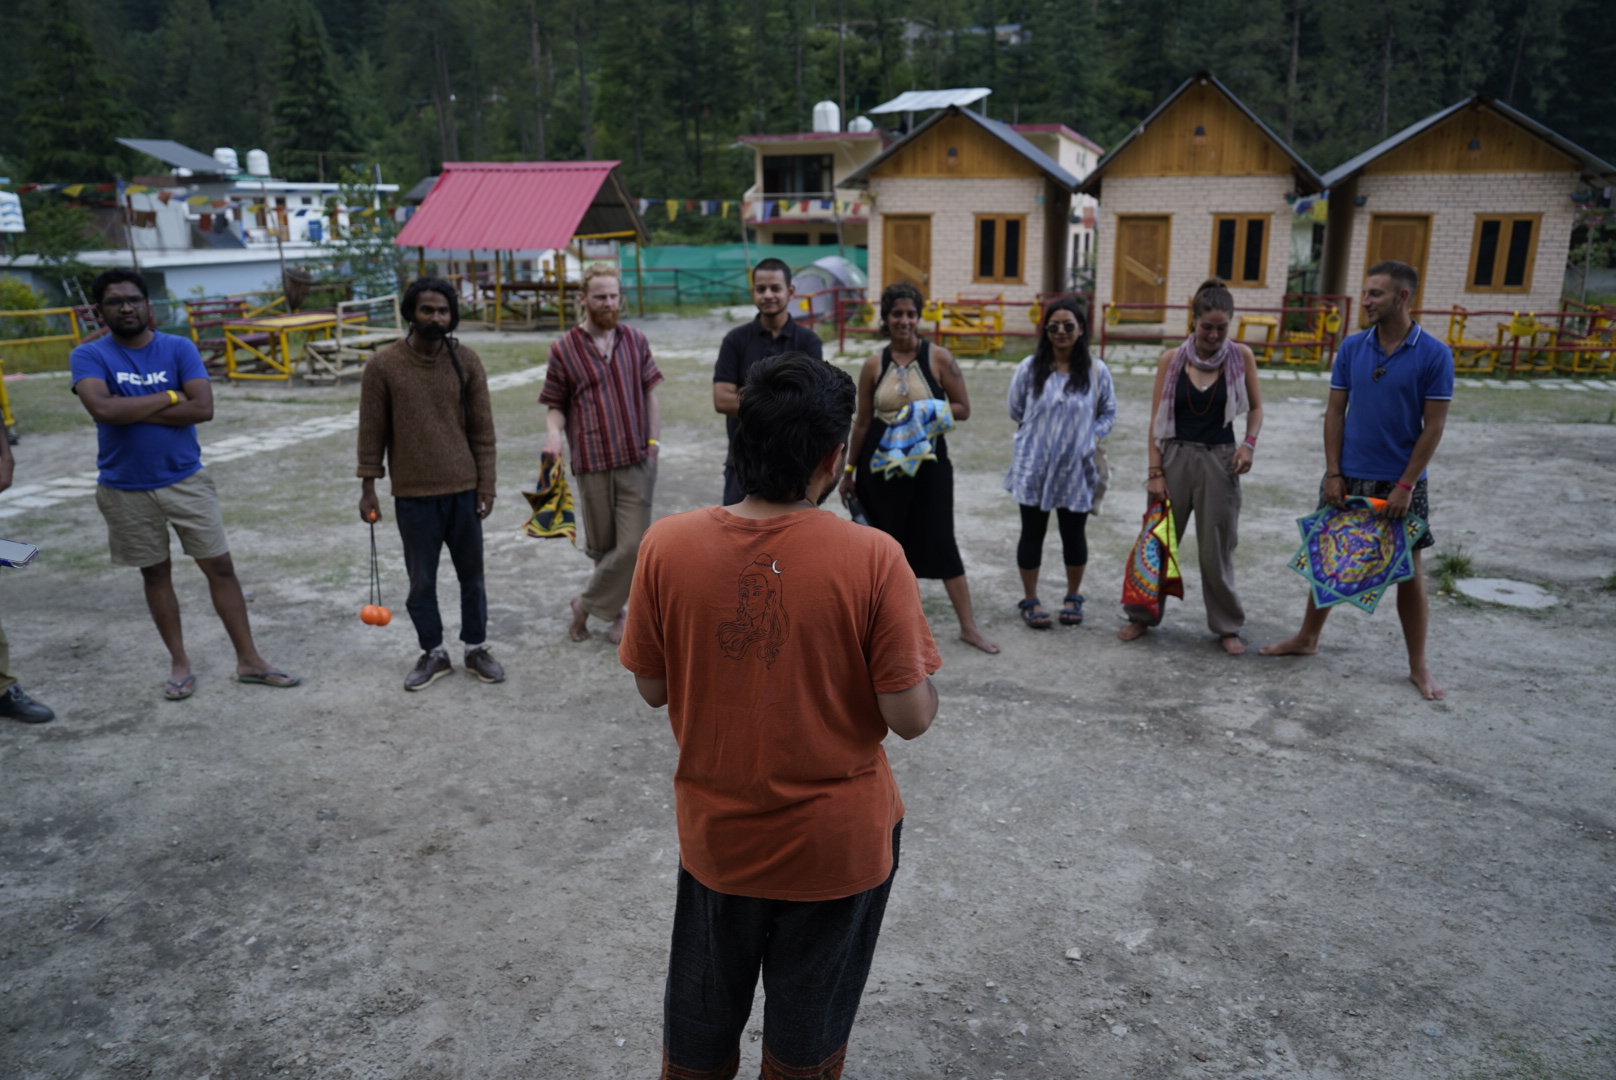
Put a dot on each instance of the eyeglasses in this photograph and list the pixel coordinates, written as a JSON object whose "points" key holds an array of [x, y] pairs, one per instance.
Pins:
{"points": [[118, 303]]}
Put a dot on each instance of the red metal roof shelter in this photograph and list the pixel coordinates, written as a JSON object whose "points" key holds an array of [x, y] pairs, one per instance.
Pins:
{"points": [[523, 206]]}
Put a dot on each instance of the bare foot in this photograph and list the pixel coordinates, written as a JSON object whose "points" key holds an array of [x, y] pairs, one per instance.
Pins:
{"points": [[1232, 644], [578, 628], [1133, 630], [1296, 646], [1427, 685], [974, 637], [614, 632]]}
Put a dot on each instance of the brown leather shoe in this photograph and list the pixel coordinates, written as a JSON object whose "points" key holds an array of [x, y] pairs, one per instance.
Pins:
{"points": [[429, 669], [483, 665]]}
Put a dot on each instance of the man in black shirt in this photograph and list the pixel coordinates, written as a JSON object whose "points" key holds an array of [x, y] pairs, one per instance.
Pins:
{"points": [[773, 332]]}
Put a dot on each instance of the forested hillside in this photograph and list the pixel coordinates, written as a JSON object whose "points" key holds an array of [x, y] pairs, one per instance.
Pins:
{"points": [[667, 85]]}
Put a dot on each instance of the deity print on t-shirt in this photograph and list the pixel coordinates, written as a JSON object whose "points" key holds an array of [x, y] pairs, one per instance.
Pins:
{"points": [[760, 613]]}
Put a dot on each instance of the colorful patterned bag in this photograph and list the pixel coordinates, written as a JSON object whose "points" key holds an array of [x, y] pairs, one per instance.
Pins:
{"points": [[1351, 555], [907, 441], [1151, 574], [552, 504]]}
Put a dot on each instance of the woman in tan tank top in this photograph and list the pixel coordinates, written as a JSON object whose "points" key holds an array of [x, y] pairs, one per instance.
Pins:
{"points": [[918, 511]]}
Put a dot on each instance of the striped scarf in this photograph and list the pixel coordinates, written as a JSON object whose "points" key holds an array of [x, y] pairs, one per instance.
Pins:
{"points": [[1233, 363]]}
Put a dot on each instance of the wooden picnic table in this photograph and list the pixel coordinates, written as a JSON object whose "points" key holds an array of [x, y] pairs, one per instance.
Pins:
{"points": [[274, 360]]}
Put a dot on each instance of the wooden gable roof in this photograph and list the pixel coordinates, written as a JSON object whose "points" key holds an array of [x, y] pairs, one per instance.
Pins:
{"points": [[1202, 129], [958, 143], [1476, 135]]}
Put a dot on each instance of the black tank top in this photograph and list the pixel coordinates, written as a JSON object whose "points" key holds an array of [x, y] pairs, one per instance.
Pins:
{"points": [[1198, 414]]}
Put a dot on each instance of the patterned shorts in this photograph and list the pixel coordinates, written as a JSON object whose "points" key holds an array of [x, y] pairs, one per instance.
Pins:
{"points": [[1419, 503]]}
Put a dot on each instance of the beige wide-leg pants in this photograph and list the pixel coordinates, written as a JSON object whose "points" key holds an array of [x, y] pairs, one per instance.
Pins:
{"points": [[615, 505], [1199, 482]]}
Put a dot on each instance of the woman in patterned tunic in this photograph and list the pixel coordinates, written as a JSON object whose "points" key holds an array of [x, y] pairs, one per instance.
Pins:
{"points": [[1062, 400], [1202, 386], [918, 510]]}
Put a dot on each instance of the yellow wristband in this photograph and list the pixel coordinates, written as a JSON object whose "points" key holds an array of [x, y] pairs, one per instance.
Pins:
{"points": [[173, 398], [849, 468], [652, 442]]}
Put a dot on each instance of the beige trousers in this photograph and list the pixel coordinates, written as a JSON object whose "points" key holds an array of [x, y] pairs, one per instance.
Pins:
{"points": [[1199, 482], [615, 506], [6, 678]]}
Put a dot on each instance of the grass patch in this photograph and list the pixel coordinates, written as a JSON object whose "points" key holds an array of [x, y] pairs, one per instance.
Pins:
{"points": [[1513, 1057], [1450, 566], [1609, 584]]}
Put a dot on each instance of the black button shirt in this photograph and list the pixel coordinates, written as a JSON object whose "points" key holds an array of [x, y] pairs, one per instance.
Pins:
{"points": [[746, 345]]}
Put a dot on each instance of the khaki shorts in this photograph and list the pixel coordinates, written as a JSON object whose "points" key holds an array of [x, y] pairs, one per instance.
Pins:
{"points": [[138, 521]]}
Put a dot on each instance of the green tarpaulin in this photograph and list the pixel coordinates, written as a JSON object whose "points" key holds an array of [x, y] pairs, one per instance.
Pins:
{"points": [[716, 273]]}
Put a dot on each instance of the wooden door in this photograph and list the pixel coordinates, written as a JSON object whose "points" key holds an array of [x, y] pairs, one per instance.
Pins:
{"points": [[1141, 270], [1404, 237], [906, 250]]}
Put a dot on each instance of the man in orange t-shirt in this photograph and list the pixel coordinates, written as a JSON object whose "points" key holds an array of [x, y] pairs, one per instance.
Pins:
{"points": [[786, 643]]}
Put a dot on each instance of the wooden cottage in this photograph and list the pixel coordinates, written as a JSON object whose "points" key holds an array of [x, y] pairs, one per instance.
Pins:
{"points": [[1477, 197], [1199, 189], [968, 207]]}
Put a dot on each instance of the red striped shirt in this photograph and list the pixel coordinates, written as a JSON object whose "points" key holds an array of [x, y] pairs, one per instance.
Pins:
{"points": [[604, 400]]}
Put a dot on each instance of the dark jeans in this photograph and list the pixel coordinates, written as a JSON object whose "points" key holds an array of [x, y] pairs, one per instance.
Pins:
{"points": [[1073, 532], [425, 526], [815, 958]]}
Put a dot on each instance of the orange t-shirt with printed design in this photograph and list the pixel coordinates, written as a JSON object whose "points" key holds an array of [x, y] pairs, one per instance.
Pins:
{"points": [[775, 636]]}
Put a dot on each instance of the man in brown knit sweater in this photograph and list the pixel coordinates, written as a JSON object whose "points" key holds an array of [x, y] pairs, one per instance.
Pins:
{"points": [[424, 402]]}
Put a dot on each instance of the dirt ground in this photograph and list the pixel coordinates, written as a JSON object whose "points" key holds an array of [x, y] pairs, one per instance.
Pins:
{"points": [[1270, 868]]}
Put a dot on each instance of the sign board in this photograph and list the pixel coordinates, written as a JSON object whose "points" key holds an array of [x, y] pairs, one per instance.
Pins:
{"points": [[599, 249], [11, 213]]}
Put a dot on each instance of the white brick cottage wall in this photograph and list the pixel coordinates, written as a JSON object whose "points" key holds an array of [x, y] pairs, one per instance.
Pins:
{"points": [[953, 206], [1192, 201], [1453, 201]]}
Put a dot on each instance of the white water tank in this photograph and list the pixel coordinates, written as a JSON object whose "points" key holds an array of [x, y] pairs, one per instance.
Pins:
{"points": [[226, 157], [827, 117], [257, 163], [861, 124]]}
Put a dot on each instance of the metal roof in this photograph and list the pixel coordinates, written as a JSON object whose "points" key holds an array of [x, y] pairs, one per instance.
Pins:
{"points": [[175, 154], [1001, 131], [423, 187], [1593, 167], [921, 100], [1304, 171], [521, 206]]}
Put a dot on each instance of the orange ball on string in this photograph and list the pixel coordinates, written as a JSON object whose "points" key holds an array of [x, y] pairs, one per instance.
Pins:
{"points": [[375, 615]]}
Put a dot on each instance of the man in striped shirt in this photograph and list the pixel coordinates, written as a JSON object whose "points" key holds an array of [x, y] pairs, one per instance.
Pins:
{"points": [[601, 390]]}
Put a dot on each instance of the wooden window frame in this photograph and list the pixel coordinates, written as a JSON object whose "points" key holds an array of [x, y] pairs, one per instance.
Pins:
{"points": [[1501, 257], [976, 250], [1242, 223]]}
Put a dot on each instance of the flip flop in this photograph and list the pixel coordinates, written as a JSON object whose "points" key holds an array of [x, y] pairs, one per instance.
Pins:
{"points": [[267, 678], [179, 691]]}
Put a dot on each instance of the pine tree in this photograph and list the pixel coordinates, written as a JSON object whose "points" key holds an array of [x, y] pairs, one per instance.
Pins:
{"points": [[313, 110], [74, 111]]}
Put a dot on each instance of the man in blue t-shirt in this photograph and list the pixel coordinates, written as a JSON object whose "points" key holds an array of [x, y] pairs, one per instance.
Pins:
{"points": [[147, 392], [1389, 394]]}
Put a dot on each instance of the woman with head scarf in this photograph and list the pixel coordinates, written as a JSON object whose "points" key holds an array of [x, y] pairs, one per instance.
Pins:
{"points": [[917, 510], [1062, 401], [1202, 386]]}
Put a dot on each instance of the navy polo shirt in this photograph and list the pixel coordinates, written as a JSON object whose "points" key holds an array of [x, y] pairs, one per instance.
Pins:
{"points": [[1386, 416], [746, 345]]}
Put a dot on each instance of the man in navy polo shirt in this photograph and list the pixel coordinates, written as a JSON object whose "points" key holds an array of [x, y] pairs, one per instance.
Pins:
{"points": [[147, 392], [773, 332], [1389, 395]]}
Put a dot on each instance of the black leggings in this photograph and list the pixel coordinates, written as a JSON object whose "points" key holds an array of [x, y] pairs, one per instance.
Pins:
{"points": [[1035, 522]]}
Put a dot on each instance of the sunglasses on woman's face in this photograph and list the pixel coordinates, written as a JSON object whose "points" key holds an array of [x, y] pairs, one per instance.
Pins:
{"points": [[1062, 328]]}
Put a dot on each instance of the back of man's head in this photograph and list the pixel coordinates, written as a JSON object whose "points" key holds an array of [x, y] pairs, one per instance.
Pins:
{"points": [[794, 411]]}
